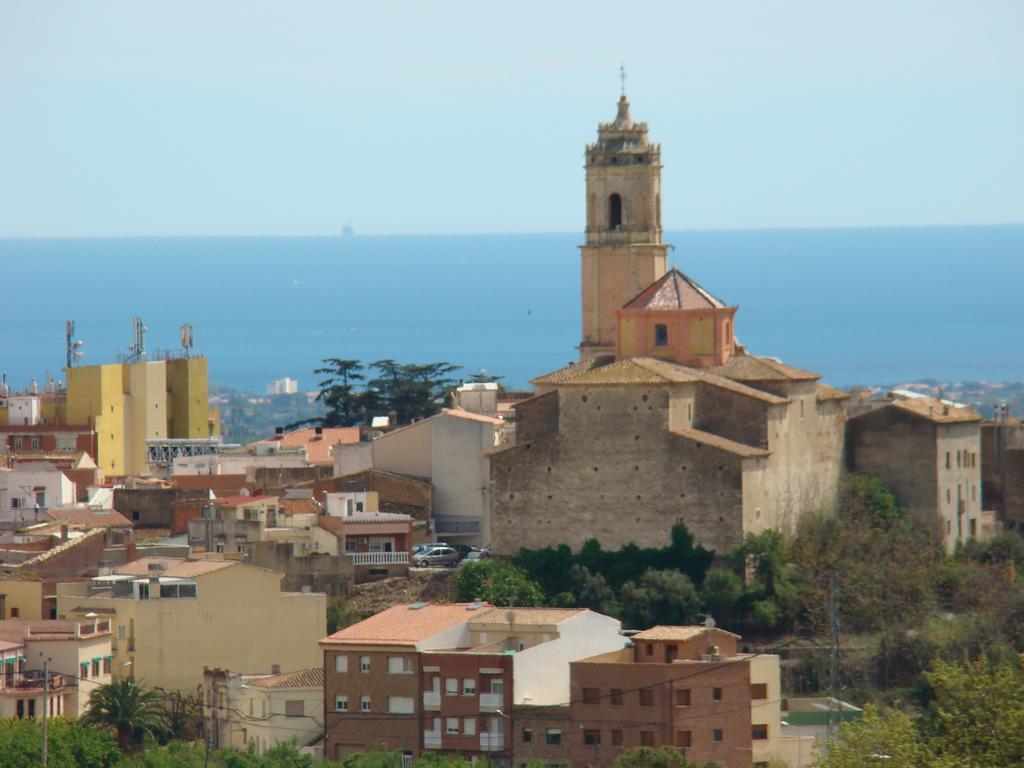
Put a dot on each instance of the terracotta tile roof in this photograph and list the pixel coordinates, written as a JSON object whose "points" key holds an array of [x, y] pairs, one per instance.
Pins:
{"points": [[304, 678], [234, 501], [299, 506], [674, 290], [666, 632], [88, 517], [722, 443], [935, 410], [174, 567], [541, 616], [463, 414], [557, 377], [649, 370], [64, 546], [404, 624], [825, 392], [754, 368], [318, 447]]}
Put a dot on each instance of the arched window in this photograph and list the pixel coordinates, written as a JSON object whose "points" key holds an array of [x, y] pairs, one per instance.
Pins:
{"points": [[614, 212], [661, 335]]}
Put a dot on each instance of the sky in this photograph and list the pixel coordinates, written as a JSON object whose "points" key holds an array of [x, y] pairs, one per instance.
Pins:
{"points": [[242, 117]]}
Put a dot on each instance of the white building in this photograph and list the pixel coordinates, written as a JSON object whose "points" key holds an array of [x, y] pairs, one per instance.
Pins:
{"points": [[283, 386], [32, 488], [447, 450]]}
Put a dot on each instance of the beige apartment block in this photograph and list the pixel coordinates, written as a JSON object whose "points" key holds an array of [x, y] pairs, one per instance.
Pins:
{"points": [[258, 711], [174, 617]]}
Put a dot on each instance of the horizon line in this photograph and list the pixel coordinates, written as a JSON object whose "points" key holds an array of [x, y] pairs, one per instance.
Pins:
{"points": [[338, 235]]}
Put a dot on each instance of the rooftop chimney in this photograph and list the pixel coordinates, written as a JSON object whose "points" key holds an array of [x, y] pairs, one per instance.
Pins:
{"points": [[278, 430], [64, 532], [319, 431]]}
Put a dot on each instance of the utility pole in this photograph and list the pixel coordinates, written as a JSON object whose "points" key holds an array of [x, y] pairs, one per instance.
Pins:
{"points": [[833, 671], [46, 702]]}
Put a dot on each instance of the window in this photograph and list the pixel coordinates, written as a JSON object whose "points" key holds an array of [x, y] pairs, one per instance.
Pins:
{"points": [[451, 686], [469, 726], [614, 211], [294, 708], [591, 696], [716, 694], [40, 495], [646, 738], [650, 649], [106, 665], [682, 697], [95, 667], [83, 670], [958, 458], [399, 665], [718, 734], [21, 708], [661, 335], [947, 460], [400, 705], [17, 446], [617, 737], [341, 663], [341, 703], [591, 736], [364, 663], [974, 527], [527, 735], [554, 736], [646, 697], [949, 496], [364, 703], [31, 707], [759, 691], [469, 686], [759, 732], [351, 545], [684, 738], [15, 613], [451, 725], [616, 696]]}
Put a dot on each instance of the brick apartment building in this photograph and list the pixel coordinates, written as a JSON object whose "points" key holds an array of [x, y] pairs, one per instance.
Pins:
{"points": [[455, 678], [685, 687]]}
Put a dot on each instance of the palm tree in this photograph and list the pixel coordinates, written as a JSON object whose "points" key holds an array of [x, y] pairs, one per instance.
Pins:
{"points": [[132, 710]]}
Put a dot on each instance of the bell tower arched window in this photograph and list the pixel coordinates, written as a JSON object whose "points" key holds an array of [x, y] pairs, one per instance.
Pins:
{"points": [[614, 211]]}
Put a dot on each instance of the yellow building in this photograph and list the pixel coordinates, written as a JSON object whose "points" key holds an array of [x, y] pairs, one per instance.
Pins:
{"points": [[173, 617], [128, 403]]}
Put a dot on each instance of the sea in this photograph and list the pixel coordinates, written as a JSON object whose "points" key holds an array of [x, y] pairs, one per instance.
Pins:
{"points": [[860, 306]]}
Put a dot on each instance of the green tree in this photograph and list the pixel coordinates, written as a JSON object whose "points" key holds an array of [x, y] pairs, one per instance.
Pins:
{"points": [[722, 592], [659, 597], [341, 614], [497, 582], [412, 391], [71, 744], [132, 711], [977, 712], [884, 738], [338, 392], [661, 757]]}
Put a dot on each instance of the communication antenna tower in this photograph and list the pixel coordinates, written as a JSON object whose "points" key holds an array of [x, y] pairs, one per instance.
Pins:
{"points": [[138, 345], [188, 338], [74, 347]]}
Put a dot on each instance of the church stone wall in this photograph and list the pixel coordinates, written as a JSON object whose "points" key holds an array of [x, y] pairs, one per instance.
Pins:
{"points": [[614, 472], [732, 415]]}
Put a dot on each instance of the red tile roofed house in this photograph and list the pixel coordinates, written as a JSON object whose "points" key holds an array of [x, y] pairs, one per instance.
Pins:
{"points": [[49, 438], [682, 687], [372, 675], [88, 517], [319, 442]]}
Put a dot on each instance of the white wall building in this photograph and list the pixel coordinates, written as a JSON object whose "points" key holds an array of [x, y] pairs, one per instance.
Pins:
{"points": [[25, 489], [447, 450], [283, 386]]}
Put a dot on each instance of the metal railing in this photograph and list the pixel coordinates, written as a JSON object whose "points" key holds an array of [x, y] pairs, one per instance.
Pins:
{"points": [[379, 558]]}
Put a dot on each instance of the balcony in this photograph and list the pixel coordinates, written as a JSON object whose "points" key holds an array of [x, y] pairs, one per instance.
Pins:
{"points": [[379, 558], [491, 742], [431, 701], [21, 683], [491, 702], [431, 739]]}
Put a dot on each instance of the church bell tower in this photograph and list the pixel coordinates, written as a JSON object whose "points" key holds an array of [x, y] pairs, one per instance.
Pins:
{"points": [[623, 253]]}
